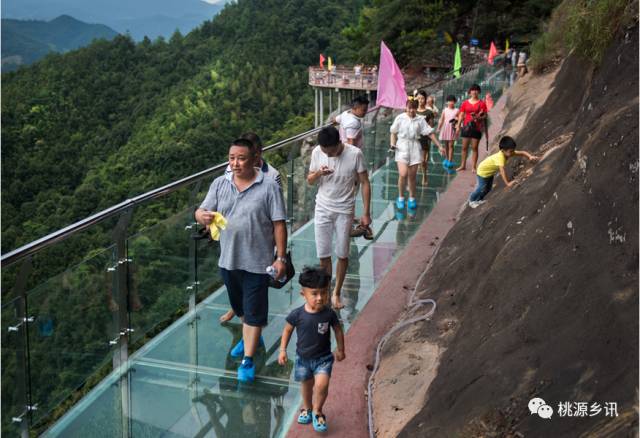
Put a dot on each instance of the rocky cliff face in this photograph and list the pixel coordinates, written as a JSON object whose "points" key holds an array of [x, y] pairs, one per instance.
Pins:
{"points": [[537, 289]]}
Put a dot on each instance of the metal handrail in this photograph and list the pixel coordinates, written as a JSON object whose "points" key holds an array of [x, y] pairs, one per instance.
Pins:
{"points": [[63, 233]]}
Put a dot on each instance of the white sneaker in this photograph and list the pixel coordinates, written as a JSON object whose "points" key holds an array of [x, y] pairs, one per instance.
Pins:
{"points": [[474, 204], [482, 201]]}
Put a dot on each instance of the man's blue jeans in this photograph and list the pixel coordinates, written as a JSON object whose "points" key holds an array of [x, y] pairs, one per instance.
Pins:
{"points": [[484, 187]]}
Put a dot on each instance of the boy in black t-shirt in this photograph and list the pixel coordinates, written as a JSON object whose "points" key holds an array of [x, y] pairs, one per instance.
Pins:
{"points": [[313, 349]]}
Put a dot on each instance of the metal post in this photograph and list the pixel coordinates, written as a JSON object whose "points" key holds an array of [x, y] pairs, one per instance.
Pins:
{"points": [[339, 99], [330, 100], [192, 290], [374, 138], [315, 108], [321, 109], [291, 184], [21, 331], [121, 354], [193, 249]]}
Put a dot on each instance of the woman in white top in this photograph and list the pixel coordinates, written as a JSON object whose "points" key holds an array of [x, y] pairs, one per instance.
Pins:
{"points": [[405, 141]]}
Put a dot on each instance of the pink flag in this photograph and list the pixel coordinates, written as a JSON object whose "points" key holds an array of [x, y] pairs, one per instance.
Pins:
{"points": [[391, 92], [492, 52]]}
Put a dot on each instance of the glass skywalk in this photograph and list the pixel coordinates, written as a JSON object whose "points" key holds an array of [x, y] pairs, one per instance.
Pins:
{"points": [[137, 321]]}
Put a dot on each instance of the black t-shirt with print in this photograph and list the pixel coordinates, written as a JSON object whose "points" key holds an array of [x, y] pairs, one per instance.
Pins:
{"points": [[313, 330], [429, 116]]}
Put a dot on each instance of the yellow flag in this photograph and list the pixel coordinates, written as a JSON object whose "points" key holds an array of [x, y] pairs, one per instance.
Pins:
{"points": [[506, 45], [330, 63], [447, 37], [218, 223]]}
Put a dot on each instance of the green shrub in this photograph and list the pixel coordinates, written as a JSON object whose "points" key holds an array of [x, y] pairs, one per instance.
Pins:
{"points": [[585, 27], [542, 53], [592, 25]]}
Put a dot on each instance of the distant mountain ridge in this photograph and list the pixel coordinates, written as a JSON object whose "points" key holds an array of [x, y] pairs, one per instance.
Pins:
{"points": [[26, 41], [140, 18]]}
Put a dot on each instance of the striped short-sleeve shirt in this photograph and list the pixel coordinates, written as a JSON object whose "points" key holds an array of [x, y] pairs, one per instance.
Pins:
{"points": [[247, 243]]}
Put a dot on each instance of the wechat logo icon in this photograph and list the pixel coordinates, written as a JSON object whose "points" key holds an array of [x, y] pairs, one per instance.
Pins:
{"points": [[540, 407]]}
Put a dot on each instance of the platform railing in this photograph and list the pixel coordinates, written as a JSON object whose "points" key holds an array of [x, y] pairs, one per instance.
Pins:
{"points": [[78, 302], [365, 79]]}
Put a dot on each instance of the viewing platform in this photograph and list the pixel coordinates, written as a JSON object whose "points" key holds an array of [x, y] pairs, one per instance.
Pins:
{"points": [[346, 78], [335, 87]]}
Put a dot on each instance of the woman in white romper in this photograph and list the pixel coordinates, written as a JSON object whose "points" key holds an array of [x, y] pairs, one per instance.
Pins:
{"points": [[405, 141]]}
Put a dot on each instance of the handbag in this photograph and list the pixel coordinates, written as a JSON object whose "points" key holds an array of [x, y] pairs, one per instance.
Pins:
{"points": [[290, 272]]}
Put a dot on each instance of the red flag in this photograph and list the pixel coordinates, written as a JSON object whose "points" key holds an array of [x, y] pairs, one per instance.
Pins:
{"points": [[488, 100], [493, 52], [321, 60]]}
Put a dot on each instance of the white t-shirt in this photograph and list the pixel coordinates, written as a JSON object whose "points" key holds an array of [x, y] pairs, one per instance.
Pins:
{"points": [[337, 191], [409, 130], [351, 127]]}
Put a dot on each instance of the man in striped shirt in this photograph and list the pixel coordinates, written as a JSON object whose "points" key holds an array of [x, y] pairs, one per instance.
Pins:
{"points": [[254, 208]]}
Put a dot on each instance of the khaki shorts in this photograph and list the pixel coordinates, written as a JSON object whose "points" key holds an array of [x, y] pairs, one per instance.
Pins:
{"points": [[325, 223]]}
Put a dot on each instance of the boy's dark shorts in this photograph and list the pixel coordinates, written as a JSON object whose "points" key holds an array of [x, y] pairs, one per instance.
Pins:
{"points": [[248, 295], [305, 369]]}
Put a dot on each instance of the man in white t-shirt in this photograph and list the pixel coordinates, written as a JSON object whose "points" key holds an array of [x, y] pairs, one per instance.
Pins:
{"points": [[352, 123], [336, 167]]}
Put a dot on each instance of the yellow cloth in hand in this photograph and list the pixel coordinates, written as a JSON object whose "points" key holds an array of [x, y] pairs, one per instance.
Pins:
{"points": [[218, 223]]}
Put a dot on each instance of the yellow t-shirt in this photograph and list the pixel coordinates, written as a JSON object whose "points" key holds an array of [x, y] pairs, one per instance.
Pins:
{"points": [[491, 165]]}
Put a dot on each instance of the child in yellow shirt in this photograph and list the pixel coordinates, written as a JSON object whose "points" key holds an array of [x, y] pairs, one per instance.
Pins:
{"points": [[493, 164]]}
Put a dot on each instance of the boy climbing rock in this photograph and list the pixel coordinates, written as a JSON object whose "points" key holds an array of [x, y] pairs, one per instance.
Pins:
{"points": [[493, 164]]}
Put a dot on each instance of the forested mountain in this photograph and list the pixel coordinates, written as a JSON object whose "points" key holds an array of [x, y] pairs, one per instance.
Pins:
{"points": [[87, 129], [419, 30], [140, 18], [26, 41]]}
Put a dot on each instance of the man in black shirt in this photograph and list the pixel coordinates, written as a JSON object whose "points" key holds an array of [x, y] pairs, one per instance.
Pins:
{"points": [[313, 322]]}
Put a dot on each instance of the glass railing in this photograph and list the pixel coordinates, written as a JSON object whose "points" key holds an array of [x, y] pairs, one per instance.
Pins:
{"points": [[110, 326]]}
